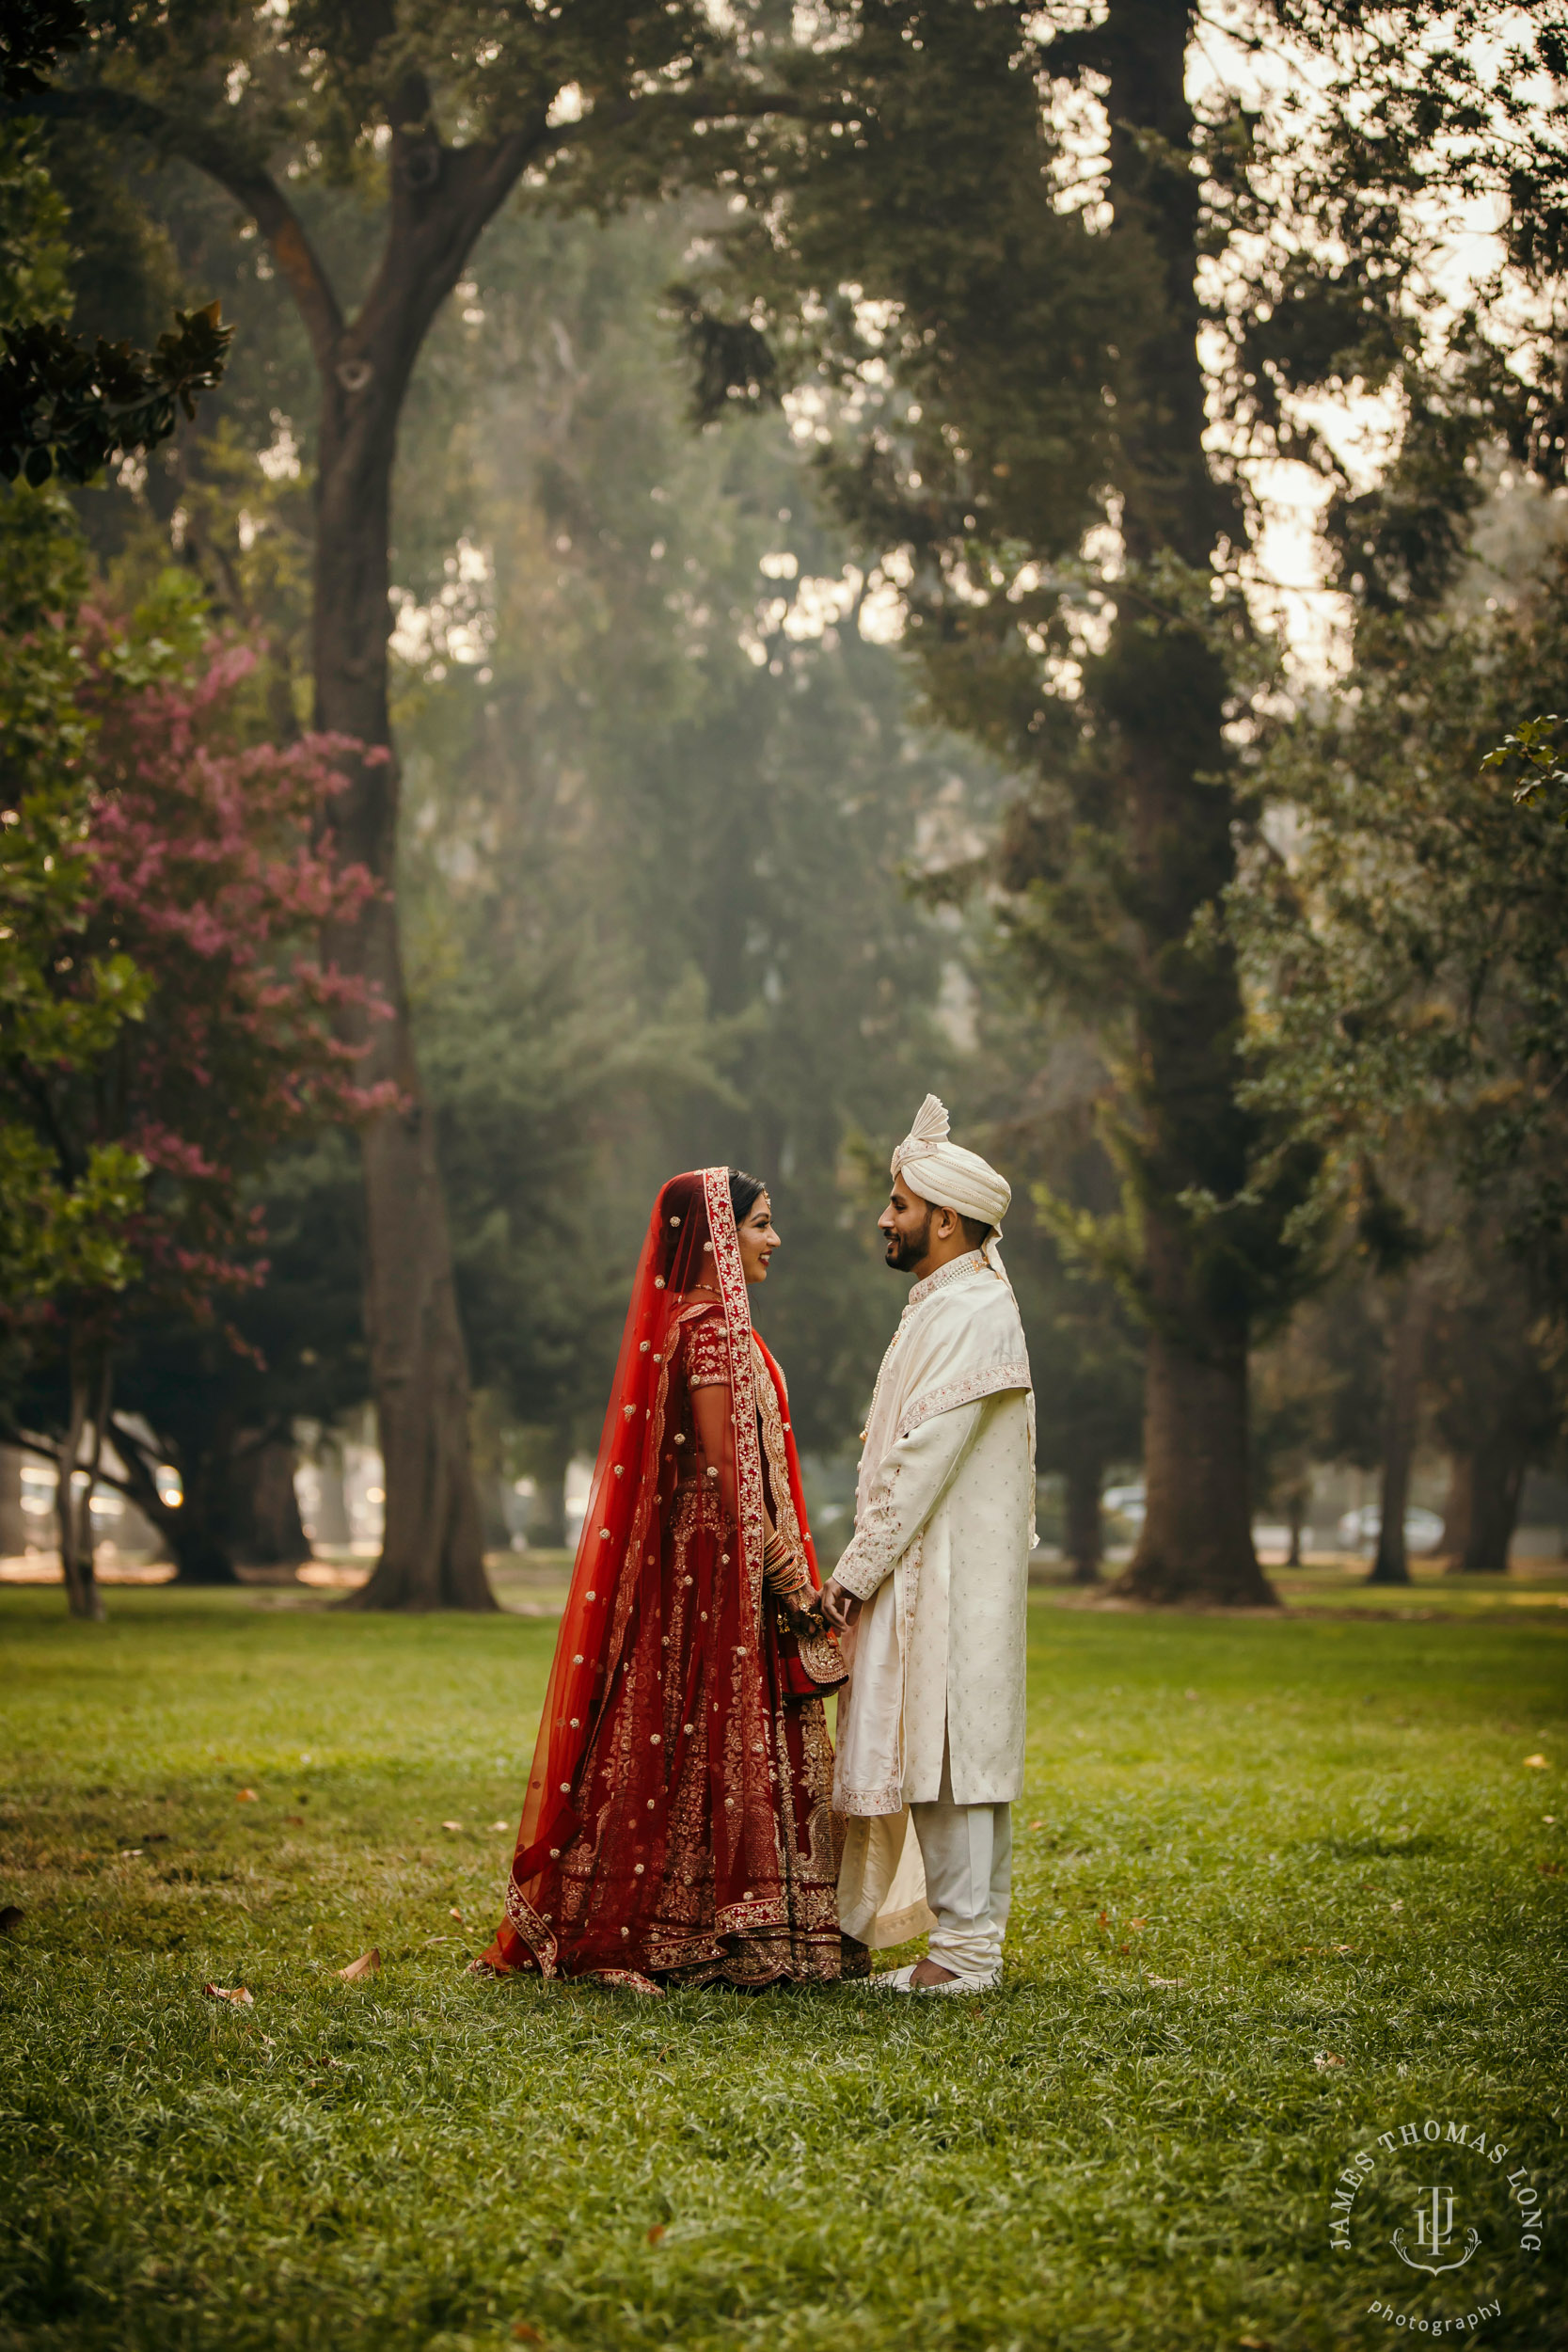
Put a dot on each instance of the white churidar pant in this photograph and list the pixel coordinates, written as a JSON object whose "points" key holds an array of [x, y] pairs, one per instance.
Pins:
{"points": [[968, 1854]]}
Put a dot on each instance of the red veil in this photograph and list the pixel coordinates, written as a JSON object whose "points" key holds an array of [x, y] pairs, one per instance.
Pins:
{"points": [[678, 1816]]}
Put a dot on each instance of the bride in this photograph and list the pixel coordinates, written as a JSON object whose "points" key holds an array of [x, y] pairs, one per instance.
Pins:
{"points": [[678, 1824]]}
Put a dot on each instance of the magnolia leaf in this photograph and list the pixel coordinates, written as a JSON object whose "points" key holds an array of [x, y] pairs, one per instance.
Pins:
{"points": [[368, 1965], [239, 1994]]}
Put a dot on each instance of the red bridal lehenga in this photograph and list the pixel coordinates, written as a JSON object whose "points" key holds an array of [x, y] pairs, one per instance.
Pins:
{"points": [[678, 1824]]}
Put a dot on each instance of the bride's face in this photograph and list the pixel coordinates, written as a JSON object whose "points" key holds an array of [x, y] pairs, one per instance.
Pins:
{"points": [[758, 1238]]}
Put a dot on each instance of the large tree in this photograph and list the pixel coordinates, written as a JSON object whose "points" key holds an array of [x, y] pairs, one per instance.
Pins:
{"points": [[442, 114], [1044, 289]]}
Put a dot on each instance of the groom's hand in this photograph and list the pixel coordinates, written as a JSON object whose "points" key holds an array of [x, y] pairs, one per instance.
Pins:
{"points": [[839, 1605]]}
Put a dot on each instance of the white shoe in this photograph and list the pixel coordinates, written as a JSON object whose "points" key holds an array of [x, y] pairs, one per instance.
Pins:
{"points": [[902, 1980]]}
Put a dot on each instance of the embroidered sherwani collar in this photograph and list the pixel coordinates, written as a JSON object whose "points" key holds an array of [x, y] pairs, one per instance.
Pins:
{"points": [[971, 1263]]}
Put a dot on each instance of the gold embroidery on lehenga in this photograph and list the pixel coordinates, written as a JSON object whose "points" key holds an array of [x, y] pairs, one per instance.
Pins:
{"points": [[685, 1862]]}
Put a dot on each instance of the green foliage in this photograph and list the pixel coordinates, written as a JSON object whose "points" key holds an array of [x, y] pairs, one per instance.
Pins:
{"points": [[57, 1236], [33, 254], [1531, 750], [1324, 1832], [67, 408], [58, 1224], [659, 788], [34, 35], [1403, 930]]}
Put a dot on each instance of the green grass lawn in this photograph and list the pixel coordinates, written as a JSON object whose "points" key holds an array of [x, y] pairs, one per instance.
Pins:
{"points": [[1281, 1886]]}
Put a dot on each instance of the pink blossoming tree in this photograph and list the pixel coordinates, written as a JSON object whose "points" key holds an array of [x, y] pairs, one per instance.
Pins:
{"points": [[206, 869]]}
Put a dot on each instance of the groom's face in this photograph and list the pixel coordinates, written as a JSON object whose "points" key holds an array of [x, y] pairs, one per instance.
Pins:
{"points": [[907, 1223]]}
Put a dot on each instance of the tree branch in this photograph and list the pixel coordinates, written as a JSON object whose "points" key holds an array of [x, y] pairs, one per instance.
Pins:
{"points": [[223, 160]]}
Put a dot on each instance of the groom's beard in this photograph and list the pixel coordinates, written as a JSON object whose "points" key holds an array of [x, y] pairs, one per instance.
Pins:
{"points": [[905, 1251]]}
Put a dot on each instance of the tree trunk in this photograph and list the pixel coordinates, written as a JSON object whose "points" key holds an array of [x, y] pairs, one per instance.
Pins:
{"points": [[331, 1518], [1391, 1566], [197, 1532], [75, 1517], [1084, 1478], [202, 1533], [1458, 1510], [432, 1551], [269, 1532], [1197, 1539], [1494, 1477], [1161, 693], [1295, 1514], [13, 1523], [546, 1520]]}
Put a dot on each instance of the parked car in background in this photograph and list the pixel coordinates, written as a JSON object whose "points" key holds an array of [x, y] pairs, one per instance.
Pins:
{"points": [[1359, 1530], [1125, 1503]]}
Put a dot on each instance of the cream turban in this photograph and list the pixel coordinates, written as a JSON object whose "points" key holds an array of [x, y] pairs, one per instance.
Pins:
{"points": [[945, 1174]]}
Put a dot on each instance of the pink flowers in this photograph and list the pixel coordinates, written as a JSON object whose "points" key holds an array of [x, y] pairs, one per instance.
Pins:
{"points": [[212, 864]]}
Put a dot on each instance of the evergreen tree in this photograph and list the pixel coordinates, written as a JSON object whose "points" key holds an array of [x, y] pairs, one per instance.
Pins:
{"points": [[991, 271]]}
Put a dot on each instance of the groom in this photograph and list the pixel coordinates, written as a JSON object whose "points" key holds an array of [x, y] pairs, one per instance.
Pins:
{"points": [[935, 1583]]}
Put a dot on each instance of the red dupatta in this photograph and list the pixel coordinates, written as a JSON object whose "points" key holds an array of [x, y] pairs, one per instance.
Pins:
{"points": [[664, 1697]]}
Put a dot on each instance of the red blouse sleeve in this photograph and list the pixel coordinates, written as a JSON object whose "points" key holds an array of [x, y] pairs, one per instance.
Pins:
{"points": [[708, 1353]]}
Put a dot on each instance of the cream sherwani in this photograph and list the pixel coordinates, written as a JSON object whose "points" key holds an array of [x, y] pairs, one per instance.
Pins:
{"points": [[933, 1716]]}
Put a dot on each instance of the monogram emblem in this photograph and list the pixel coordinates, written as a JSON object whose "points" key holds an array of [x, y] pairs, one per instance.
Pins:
{"points": [[1435, 2232]]}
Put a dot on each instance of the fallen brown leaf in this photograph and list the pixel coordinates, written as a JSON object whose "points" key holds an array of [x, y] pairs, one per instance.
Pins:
{"points": [[1037, 1824], [523, 2333], [1551, 1870], [500, 1825], [452, 1824], [655, 2233], [12, 1918], [455, 1913], [1341, 1947], [293, 1821], [1536, 1763], [368, 1965], [1137, 1923], [247, 1796], [238, 1993], [1326, 2058]]}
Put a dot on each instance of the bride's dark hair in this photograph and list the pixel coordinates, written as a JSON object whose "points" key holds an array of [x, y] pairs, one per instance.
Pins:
{"points": [[745, 1192]]}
